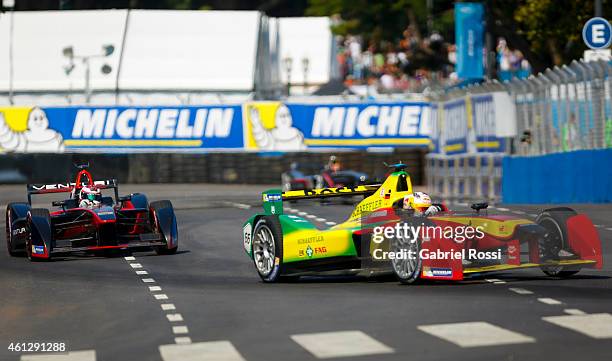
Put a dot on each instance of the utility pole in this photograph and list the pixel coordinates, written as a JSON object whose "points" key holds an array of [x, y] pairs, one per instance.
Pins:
{"points": [[598, 11]]}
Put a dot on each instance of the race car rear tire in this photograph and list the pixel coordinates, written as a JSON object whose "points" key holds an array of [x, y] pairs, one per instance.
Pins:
{"points": [[268, 248], [407, 270], [554, 220]]}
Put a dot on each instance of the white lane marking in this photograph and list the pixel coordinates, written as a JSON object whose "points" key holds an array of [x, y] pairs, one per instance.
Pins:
{"points": [[85, 355], [130, 258], [240, 205], [302, 213], [182, 340], [462, 204], [320, 219], [136, 265], [174, 317], [549, 301], [520, 291], [161, 296], [330, 223], [499, 282], [292, 210], [148, 280], [598, 225], [495, 281], [154, 288], [574, 311], [180, 329], [532, 215], [168, 306], [142, 272], [503, 209], [340, 344], [609, 229], [518, 212], [310, 216], [596, 325], [475, 334], [215, 350]]}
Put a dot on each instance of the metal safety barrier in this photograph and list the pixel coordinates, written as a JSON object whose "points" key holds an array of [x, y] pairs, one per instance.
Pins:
{"points": [[465, 176]]}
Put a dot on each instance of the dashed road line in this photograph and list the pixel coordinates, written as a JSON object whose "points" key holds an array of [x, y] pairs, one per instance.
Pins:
{"points": [[503, 209], [609, 229], [215, 350], [302, 213], [320, 219], [182, 340], [330, 223], [174, 317], [520, 291], [168, 306], [311, 216], [518, 212], [549, 301], [595, 325], [475, 334], [341, 344], [495, 281], [574, 311], [178, 330]]}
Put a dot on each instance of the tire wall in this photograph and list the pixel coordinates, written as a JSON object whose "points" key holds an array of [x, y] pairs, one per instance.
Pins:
{"points": [[236, 168]]}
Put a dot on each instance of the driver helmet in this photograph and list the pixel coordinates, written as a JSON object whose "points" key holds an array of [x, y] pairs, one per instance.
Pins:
{"points": [[419, 201], [91, 194]]}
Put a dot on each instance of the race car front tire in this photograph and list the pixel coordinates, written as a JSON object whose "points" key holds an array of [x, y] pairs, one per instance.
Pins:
{"points": [[39, 213], [554, 220], [268, 248], [155, 207], [407, 270]]}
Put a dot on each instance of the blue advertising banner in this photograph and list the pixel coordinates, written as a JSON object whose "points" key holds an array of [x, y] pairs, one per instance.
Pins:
{"points": [[254, 126], [275, 126], [469, 38], [54, 129], [483, 121], [455, 127]]}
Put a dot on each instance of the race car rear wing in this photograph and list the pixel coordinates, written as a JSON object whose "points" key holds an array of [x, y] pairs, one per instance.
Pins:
{"points": [[69, 187], [273, 198]]}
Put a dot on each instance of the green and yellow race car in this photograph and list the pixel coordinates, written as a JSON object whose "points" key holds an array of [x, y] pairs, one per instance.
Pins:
{"points": [[383, 234]]}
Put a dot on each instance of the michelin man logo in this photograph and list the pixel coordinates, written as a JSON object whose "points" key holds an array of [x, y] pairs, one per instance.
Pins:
{"points": [[282, 137], [36, 138]]}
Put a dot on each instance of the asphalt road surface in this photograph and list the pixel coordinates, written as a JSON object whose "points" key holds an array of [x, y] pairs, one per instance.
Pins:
{"points": [[207, 302]]}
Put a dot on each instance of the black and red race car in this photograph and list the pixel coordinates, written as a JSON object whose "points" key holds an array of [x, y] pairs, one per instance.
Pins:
{"points": [[107, 223]]}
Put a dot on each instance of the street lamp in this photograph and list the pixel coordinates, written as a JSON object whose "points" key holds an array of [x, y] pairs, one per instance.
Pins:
{"points": [[305, 64], [68, 52], [288, 62]]}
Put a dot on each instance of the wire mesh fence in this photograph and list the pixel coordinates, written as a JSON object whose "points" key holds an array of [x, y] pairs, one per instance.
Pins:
{"points": [[563, 109]]}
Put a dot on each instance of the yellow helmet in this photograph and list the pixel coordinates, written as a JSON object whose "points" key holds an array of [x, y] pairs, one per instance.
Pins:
{"points": [[418, 201]]}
